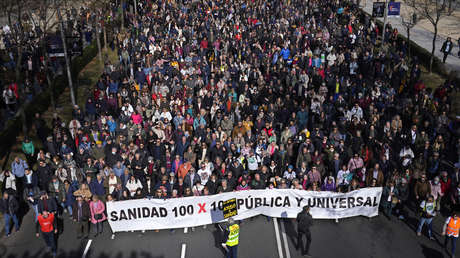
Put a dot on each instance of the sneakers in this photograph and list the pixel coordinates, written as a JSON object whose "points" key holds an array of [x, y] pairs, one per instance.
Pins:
{"points": [[143, 231], [432, 238], [419, 234], [112, 237], [401, 217], [336, 220]]}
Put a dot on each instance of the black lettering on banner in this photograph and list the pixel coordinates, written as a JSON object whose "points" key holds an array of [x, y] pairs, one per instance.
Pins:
{"points": [[145, 212], [154, 212], [240, 202], [182, 210], [278, 204], [351, 202], [320, 202], [286, 203], [249, 202], [123, 215], [312, 202], [190, 209], [272, 201], [113, 216], [327, 202], [375, 204], [258, 202], [132, 214], [220, 206], [299, 200], [343, 203], [334, 202], [368, 202], [163, 212], [265, 202], [359, 201], [213, 206]]}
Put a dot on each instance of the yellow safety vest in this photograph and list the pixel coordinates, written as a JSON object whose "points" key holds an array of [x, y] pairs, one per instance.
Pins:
{"points": [[233, 235]]}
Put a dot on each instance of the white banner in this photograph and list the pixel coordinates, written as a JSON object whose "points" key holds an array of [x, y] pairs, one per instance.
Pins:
{"points": [[150, 214]]}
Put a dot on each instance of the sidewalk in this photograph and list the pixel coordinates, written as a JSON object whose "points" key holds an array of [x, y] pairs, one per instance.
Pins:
{"points": [[424, 38]]}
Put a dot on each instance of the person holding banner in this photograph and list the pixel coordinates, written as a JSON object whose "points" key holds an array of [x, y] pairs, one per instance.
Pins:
{"points": [[304, 222]]}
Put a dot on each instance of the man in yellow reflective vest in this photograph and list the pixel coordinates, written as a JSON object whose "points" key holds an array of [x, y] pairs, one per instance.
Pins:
{"points": [[450, 230], [232, 233]]}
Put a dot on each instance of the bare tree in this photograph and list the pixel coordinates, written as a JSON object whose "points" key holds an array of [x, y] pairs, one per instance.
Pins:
{"points": [[409, 23], [433, 11], [43, 16], [66, 56]]}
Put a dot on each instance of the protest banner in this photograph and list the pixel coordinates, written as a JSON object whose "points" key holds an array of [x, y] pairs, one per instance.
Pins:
{"points": [[150, 214], [229, 208]]}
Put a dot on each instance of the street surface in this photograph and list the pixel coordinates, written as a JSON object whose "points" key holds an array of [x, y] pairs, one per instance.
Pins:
{"points": [[259, 237]]}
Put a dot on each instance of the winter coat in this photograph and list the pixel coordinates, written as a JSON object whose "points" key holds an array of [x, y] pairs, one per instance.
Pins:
{"points": [[97, 208]]}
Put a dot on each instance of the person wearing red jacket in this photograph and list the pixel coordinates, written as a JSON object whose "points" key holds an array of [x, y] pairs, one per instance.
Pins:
{"points": [[46, 224]]}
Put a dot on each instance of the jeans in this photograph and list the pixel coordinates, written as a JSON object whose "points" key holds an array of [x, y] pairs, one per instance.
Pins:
{"points": [[453, 241], [49, 240], [300, 242], [69, 208], [232, 251], [35, 208], [7, 218], [98, 228], [422, 222]]}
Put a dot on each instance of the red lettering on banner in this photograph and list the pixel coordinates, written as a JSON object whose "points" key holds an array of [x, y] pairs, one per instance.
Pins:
{"points": [[202, 207]]}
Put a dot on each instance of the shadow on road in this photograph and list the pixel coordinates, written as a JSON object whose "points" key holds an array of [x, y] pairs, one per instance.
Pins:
{"points": [[430, 252]]}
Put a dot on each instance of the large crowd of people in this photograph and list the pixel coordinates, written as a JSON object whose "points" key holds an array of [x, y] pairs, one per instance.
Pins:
{"points": [[218, 96]]}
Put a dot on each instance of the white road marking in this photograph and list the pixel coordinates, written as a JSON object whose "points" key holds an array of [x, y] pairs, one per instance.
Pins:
{"points": [[286, 246], [278, 240], [182, 253], [185, 230], [87, 248]]}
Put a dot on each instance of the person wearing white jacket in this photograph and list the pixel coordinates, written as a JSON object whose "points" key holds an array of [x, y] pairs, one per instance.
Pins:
{"points": [[132, 185]]}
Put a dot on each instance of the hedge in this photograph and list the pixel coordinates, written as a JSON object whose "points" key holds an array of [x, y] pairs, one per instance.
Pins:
{"points": [[41, 102]]}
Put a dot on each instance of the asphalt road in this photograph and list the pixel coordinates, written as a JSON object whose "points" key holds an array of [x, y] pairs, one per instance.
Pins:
{"points": [[259, 237]]}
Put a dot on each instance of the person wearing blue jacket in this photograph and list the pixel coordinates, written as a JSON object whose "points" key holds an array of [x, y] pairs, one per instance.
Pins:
{"points": [[285, 53]]}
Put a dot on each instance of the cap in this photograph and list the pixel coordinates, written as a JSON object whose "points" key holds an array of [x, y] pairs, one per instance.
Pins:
{"points": [[291, 167]]}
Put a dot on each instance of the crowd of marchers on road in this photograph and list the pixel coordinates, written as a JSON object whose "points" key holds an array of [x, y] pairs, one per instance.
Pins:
{"points": [[221, 96]]}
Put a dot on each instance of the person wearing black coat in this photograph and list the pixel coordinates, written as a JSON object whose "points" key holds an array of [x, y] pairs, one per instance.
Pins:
{"points": [[304, 222], [81, 216], [44, 175], [212, 184], [46, 203], [9, 207]]}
